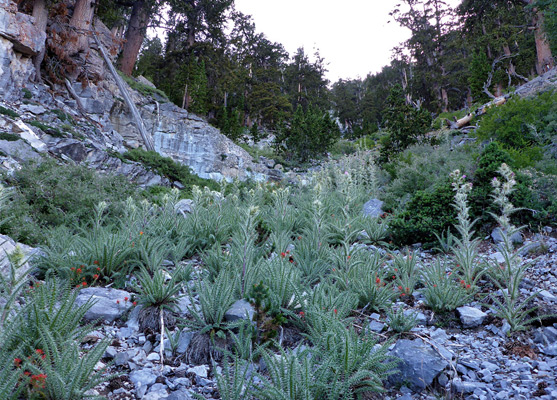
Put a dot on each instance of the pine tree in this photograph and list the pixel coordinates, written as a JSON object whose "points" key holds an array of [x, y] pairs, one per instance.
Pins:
{"points": [[404, 123]]}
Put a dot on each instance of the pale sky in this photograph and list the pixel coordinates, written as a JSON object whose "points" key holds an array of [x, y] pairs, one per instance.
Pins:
{"points": [[354, 36]]}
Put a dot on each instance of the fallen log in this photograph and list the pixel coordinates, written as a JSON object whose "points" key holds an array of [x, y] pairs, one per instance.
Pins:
{"points": [[464, 121]]}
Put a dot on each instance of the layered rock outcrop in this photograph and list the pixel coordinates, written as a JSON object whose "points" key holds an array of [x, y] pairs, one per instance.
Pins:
{"points": [[19, 41], [102, 121]]}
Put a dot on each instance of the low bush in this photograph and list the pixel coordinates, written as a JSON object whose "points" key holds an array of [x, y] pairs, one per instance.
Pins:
{"points": [[49, 195], [427, 213], [169, 168], [10, 137], [420, 168], [50, 130], [145, 90], [522, 126], [8, 112]]}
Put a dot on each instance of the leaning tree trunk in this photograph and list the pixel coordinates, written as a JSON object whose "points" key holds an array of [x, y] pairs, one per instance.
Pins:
{"points": [[135, 35], [545, 60], [40, 14], [81, 21]]}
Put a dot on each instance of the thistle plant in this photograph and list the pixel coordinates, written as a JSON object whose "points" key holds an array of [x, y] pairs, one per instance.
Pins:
{"points": [[156, 291], [319, 305], [214, 300], [346, 363], [401, 322], [67, 374], [215, 260], [290, 376], [48, 308], [235, 381], [510, 273], [444, 292], [365, 279], [502, 189], [42, 337], [11, 286], [406, 273], [281, 217], [282, 280], [465, 248], [311, 257], [376, 230], [106, 252]]}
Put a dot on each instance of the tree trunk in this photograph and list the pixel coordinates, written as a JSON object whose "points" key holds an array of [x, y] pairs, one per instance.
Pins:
{"points": [[81, 21], [445, 99], [135, 35], [40, 13], [545, 59]]}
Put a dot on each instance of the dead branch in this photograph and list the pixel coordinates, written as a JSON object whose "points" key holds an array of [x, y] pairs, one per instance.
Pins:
{"points": [[487, 83], [127, 98]]}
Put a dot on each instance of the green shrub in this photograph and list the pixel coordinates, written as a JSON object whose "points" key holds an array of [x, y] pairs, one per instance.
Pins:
{"points": [[366, 142], [62, 116], [420, 167], [8, 112], [145, 90], [522, 124], [54, 132], [169, 168], [50, 195], [404, 123], [529, 195], [343, 147], [26, 93], [10, 137], [309, 134], [427, 213]]}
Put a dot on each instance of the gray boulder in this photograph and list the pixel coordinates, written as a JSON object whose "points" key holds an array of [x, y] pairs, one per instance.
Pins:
{"points": [[419, 364], [497, 237], [109, 304], [181, 394], [241, 309], [184, 341], [9, 246], [184, 207], [373, 209], [471, 317]]}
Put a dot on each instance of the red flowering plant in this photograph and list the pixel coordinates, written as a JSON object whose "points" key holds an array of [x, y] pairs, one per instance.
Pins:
{"points": [[405, 273], [444, 291]]}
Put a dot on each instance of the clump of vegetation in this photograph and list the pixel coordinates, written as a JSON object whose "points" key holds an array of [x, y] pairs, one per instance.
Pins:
{"points": [[404, 123], [8, 112], [10, 137], [62, 116], [142, 88], [427, 213], [26, 93], [50, 195], [55, 132], [310, 133], [169, 168], [522, 127]]}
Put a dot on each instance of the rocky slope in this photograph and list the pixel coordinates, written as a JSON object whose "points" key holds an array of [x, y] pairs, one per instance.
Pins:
{"points": [[81, 128], [469, 356]]}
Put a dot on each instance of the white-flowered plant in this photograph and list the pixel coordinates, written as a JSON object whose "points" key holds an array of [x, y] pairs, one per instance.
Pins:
{"points": [[465, 248], [509, 274]]}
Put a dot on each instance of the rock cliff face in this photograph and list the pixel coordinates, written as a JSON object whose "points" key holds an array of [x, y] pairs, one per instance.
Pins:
{"points": [[188, 139], [19, 41], [106, 123]]}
